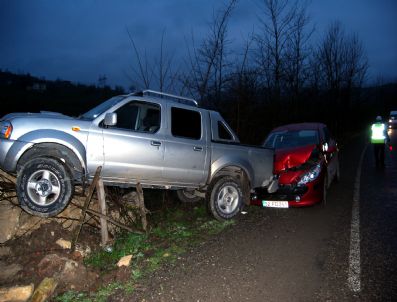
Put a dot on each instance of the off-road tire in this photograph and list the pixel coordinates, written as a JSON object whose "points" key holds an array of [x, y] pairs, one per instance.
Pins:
{"points": [[44, 187], [225, 197], [187, 196]]}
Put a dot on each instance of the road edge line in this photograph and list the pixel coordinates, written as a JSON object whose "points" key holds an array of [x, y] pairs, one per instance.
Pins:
{"points": [[354, 276]]}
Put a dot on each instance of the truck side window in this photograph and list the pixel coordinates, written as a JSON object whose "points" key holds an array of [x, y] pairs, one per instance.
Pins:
{"points": [[136, 116], [223, 133], [185, 123]]}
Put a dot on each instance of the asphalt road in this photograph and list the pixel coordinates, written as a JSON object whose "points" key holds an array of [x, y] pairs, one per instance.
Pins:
{"points": [[378, 208], [343, 251]]}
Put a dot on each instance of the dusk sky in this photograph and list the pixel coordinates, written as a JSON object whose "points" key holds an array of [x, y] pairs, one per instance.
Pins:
{"points": [[82, 40]]}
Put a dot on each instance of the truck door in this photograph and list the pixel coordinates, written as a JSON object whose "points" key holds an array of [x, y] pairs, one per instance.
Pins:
{"points": [[94, 149], [186, 151], [133, 148]]}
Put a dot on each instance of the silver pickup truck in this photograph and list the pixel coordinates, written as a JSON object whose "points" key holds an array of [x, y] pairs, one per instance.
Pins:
{"points": [[156, 139]]}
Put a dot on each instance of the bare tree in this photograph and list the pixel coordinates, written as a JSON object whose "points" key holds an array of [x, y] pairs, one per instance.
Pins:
{"points": [[243, 84], [158, 71], [272, 41], [207, 63], [342, 58], [356, 62], [298, 51], [166, 76], [343, 66], [144, 72]]}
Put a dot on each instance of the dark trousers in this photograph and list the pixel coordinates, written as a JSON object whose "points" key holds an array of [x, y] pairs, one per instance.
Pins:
{"points": [[379, 152]]}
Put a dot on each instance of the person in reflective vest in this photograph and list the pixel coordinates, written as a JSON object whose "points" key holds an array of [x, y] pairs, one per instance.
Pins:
{"points": [[379, 138]]}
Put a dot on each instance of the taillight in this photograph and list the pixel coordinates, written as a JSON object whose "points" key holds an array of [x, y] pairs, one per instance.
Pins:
{"points": [[6, 129]]}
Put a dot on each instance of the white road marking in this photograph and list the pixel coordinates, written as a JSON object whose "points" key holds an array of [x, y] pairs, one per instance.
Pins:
{"points": [[354, 277]]}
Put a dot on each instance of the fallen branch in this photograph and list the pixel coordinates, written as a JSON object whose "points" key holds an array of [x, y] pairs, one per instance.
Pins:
{"points": [[93, 212], [8, 177]]}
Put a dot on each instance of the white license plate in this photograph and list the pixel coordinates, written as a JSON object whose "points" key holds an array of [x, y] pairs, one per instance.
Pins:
{"points": [[274, 204]]}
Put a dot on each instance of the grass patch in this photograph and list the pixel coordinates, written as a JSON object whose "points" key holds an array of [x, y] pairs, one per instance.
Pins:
{"points": [[173, 232], [100, 296], [126, 244]]}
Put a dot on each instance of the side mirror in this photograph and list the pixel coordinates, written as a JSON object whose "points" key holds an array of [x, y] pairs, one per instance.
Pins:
{"points": [[110, 119], [330, 147]]}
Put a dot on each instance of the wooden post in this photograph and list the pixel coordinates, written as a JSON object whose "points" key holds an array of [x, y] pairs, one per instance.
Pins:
{"points": [[86, 204], [141, 205], [102, 206]]}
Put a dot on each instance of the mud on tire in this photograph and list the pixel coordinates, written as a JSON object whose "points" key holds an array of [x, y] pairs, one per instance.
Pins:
{"points": [[225, 197], [44, 187]]}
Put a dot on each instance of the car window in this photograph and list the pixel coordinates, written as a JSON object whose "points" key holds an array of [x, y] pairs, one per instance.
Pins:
{"points": [[185, 123], [327, 135], [139, 116], [288, 139]]}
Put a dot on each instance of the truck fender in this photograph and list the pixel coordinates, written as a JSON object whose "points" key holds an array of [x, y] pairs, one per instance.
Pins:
{"points": [[230, 165], [54, 141]]}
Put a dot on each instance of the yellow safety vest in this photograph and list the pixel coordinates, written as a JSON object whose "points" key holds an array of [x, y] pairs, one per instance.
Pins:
{"points": [[378, 133]]}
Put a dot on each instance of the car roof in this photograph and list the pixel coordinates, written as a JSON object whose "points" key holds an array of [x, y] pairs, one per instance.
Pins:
{"points": [[299, 126]]}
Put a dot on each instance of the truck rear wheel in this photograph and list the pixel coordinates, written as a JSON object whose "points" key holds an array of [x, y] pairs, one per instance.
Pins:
{"points": [[44, 187], [225, 198], [188, 196]]}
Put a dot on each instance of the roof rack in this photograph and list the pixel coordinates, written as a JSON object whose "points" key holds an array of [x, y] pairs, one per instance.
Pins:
{"points": [[162, 95]]}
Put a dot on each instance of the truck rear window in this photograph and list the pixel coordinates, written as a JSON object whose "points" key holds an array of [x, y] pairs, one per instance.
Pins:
{"points": [[185, 123], [223, 132]]}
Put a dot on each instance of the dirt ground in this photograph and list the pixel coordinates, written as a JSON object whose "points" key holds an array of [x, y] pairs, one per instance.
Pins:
{"points": [[36, 256], [39, 256]]}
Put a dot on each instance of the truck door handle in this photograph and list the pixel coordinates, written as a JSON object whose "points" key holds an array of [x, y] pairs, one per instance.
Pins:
{"points": [[155, 143], [198, 148]]}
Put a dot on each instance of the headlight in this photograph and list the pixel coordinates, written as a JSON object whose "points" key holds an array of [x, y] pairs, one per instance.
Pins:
{"points": [[6, 129], [390, 120], [310, 175]]}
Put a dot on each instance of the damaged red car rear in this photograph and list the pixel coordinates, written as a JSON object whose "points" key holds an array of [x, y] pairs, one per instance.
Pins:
{"points": [[306, 162]]}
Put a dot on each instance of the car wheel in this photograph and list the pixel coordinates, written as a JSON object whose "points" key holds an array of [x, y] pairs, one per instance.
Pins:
{"points": [[337, 173], [225, 198], [188, 196], [325, 188], [44, 187]]}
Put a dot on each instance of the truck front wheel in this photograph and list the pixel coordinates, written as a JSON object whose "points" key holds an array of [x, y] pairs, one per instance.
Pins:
{"points": [[44, 187], [225, 198]]}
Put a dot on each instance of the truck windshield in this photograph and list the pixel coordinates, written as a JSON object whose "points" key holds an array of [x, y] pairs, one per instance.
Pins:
{"points": [[101, 108]]}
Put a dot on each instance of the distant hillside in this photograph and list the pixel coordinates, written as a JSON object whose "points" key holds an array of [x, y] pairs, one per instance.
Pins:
{"points": [[25, 93]]}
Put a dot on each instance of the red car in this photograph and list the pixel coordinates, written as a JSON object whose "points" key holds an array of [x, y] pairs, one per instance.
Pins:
{"points": [[306, 162]]}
